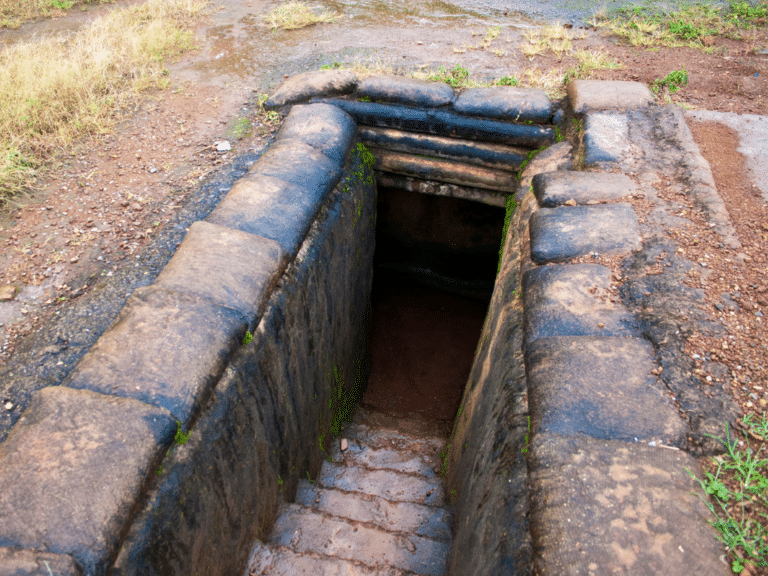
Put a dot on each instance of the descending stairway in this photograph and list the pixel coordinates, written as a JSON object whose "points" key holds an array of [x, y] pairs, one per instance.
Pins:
{"points": [[377, 508]]}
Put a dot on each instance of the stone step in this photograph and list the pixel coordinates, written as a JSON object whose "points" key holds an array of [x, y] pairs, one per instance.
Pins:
{"points": [[387, 484], [304, 530], [278, 561], [426, 521], [390, 437]]}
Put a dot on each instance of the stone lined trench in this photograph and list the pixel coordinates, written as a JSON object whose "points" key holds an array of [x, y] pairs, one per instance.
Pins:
{"points": [[294, 301]]}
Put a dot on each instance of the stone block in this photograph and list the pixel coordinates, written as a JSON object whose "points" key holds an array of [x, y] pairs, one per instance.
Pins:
{"points": [[559, 234], [404, 90], [322, 126], [300, 164], [572, 300], [71, 473], [306, 85], [219, 491], [234, 269], [606, 138], [446, 123], [426, 521], [556, 188], [284, 562], [19, 562], [165, 348], [607, 507], [304, 531], [479, 153], [270, 207], [588, 95], [600, 387], [383, 483], [506, 102], [444, 170]]}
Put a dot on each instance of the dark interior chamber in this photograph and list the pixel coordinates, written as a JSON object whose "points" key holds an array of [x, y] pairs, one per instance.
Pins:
{"points": [[434, 269]]}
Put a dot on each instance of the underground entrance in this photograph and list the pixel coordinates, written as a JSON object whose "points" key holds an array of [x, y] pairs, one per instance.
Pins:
{"points": [[434, 270]]}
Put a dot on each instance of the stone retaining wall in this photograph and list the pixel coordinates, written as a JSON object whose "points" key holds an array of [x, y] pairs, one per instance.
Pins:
{"points": [[286, 257], [565, 456]]}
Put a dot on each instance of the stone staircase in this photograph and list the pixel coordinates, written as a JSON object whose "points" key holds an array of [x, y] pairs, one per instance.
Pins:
{"points": [[377, 508]]}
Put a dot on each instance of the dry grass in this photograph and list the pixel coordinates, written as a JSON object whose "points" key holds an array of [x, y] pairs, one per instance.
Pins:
{"points": [[294, 14], [555, 38], [13, 13], [63, 87]]}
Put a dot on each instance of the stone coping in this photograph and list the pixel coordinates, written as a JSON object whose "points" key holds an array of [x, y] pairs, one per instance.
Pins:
{"points": [[75, 471]]}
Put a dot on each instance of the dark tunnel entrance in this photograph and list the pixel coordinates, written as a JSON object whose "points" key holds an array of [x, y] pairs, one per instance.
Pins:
{"points": [[434, 270]]}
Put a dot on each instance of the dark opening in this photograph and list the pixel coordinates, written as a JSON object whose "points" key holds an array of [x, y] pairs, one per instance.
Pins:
{"points": [[434, 270]]}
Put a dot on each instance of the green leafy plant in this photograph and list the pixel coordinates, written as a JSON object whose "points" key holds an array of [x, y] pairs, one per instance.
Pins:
{"points": [[507, 81], [181, 438], [675, 80], [248, 338], [745, 537], [456, 77]]}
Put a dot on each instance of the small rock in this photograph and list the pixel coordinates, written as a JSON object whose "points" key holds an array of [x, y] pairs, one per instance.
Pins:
{"points": [[570, 202], [9, 405], [344, 444], [223, 146], [7, 292]]}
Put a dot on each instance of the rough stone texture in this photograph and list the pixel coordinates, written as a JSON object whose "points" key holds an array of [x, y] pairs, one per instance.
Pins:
{"points": [[72, 471], [588, 95], [322, 126], [600, 387], [307, 85], [478, 153], [606, 139], [572, 300], [404, 90], [444, 171], [507, 102], [444, 123], [270, 207], [383, 483], [166, 348], [229, 267], [486, 462], [306, 531], [606, 507], [285, 562], [15, 562], [559, 234], [411, 184], [300, 164], [262, 428], [556, 188], [426, 521]]}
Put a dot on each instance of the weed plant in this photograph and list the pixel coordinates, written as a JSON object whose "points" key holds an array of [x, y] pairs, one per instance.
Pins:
{"points": [[64, 87], [739, 489]]}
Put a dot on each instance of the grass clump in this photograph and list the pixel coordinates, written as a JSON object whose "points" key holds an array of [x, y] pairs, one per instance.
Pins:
{"points": [[295, 14], [63, 87], [651, 26], [739, 486], [13, 13]]}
